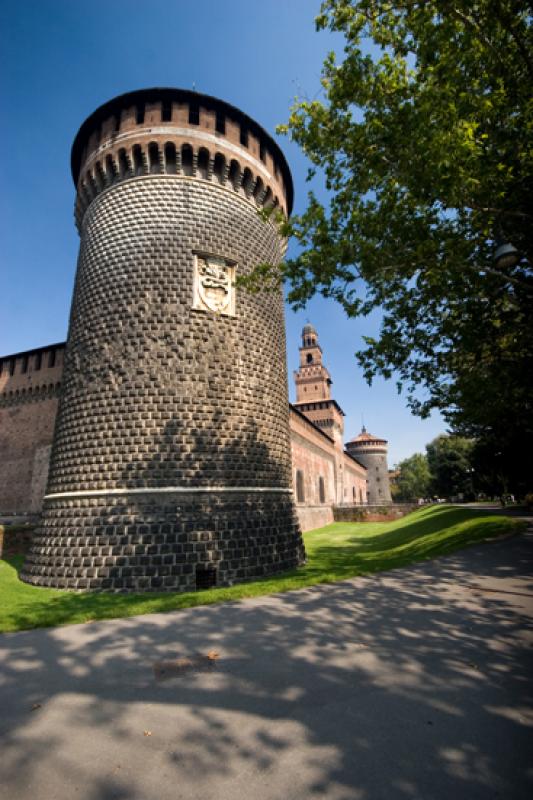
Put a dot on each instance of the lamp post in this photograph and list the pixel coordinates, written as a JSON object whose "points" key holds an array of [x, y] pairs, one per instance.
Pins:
{"points": [[506, 255]]}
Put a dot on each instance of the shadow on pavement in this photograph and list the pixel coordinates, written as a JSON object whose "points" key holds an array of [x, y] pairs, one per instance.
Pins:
{"points": [[412, 684]]}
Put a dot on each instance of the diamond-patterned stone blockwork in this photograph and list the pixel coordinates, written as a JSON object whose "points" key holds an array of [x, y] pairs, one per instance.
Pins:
{"points": [[157, 543], [157, 394]]}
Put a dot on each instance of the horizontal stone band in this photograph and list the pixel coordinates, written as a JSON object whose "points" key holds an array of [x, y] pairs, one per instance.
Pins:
{"points": [[169, 490]]}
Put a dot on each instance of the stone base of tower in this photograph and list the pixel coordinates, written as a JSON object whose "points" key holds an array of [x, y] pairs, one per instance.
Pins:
{"points": [[164, 541]]}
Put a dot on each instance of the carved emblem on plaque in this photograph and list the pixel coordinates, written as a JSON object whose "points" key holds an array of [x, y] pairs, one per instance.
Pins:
{"points": [[214, 288]]}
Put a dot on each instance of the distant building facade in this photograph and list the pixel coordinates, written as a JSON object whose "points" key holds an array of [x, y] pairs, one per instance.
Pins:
{"points": [[324, 474]]}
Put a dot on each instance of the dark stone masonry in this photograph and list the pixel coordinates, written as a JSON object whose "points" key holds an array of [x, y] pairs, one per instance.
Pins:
{"points": [[170, 466]]}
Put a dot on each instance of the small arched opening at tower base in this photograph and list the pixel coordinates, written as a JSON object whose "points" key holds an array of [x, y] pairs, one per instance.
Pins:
{"points": [[203, 163], [186, 159], [300, 489], [138, 166], [153, 156], [219, 168], [206, 577], [171, 165]]}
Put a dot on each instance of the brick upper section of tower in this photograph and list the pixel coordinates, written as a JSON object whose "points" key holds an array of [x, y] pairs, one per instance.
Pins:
{"points": [[176, 131]]}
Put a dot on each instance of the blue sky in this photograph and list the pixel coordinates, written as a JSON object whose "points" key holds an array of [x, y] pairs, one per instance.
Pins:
{"points": [[60, 59]]}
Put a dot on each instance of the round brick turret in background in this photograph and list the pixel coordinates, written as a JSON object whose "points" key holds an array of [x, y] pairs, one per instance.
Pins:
{"points": [[170, 466], [371, 452]]}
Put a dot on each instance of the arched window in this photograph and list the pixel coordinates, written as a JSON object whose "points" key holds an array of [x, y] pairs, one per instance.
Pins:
{"points": [[203, 163], [258, 188], [194, 114], [99, 176], [321, 489], [220, 122], [247, 182], [123, 166], [166, 111], [300, 491], [153, 155], [186, 159], [139, 116], [138, 166], [309, 358], [219, 168], [235, 174], [110, 169], [170, 158]]}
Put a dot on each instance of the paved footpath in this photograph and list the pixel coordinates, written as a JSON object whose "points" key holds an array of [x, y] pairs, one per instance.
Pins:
{"points": [[411, 684]]}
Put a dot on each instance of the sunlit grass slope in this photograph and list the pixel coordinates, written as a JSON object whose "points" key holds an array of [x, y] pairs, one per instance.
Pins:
{"points": [[336, 552]]}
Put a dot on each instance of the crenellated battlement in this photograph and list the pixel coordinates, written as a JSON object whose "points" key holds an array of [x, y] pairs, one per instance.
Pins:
{"points": [[31, 374], [177, 132]]}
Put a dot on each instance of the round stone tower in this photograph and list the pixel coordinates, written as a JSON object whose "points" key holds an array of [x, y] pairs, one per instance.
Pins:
{"points": [[371, 452], [170, 466]]}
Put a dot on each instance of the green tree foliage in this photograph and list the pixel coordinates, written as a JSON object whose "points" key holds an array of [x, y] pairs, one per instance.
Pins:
{"points": [[424, 140], [413, 481], [449, 460]]}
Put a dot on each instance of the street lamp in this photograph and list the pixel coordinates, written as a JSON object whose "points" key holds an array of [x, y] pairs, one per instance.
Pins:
{"points": [[506, 255]]}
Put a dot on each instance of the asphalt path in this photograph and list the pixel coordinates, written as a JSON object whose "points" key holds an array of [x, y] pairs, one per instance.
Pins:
{"points": [[415, 683]]}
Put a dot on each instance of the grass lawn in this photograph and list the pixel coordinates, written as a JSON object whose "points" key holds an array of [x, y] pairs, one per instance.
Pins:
{"points": [[336, 552]]}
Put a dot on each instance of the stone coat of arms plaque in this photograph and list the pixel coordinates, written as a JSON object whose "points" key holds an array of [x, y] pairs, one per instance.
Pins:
{"points": [[214, 285]]}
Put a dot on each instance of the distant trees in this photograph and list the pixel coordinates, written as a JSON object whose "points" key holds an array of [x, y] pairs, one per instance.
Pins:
{"points": [[414, 479], [449, 460], [424, 144], [446, 470]]}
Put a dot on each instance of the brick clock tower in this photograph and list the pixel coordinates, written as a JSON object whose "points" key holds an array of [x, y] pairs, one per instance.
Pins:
{"points": [[171, 465], [313, 397]]}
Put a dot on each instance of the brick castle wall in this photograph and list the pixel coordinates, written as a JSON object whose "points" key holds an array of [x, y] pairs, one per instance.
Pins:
{"points": [[29, 390]]}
